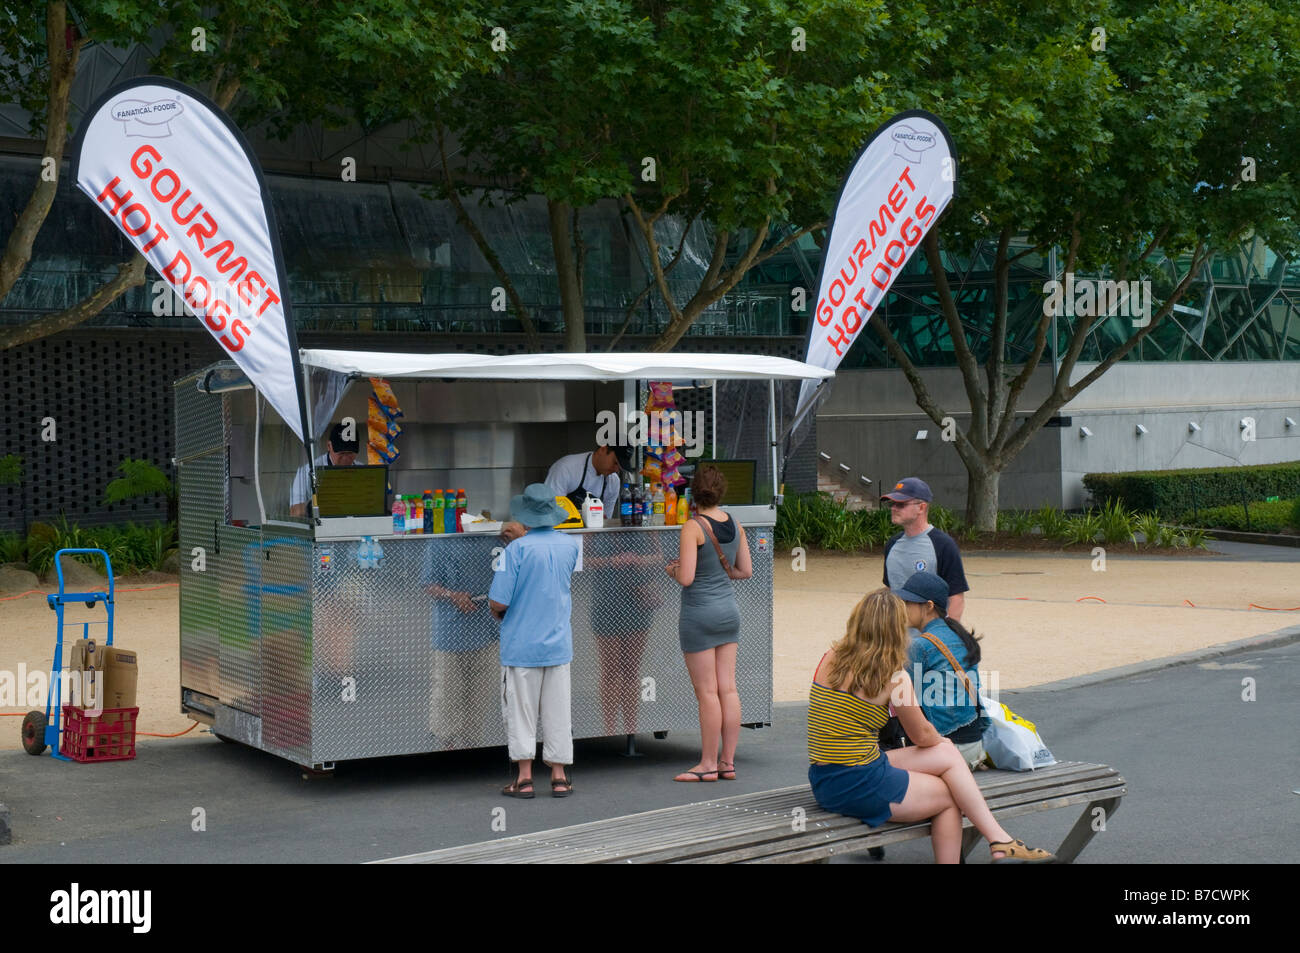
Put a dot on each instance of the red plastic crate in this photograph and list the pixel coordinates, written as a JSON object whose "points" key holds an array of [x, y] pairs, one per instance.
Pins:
{"points": [[108, 736]]}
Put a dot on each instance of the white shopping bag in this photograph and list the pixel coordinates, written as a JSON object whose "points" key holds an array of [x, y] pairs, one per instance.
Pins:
{"points": [[1011, 741]]}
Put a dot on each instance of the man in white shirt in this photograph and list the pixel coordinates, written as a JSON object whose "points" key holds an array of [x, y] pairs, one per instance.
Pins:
{"points": [[578, 474], [339, 453]]}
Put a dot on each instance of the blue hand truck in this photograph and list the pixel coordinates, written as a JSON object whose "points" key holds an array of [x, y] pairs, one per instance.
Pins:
{"points": [[41, 730]]}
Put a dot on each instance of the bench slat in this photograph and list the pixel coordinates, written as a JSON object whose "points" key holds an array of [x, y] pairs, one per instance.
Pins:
{"points": [[756, 827]]}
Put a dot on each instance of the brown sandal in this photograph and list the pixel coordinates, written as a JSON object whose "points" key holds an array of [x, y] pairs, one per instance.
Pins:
{"points": [[516, 789], [726, 770], [1015, 852], [693, 776]]}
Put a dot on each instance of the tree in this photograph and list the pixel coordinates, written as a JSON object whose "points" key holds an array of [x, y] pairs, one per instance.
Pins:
{"points": [[261, 60], [141, 479], [741, 115], [46, 58], [1120, 147]]}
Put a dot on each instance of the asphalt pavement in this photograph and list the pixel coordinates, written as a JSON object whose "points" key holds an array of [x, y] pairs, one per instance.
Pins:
{"points": [[1209, 748]]}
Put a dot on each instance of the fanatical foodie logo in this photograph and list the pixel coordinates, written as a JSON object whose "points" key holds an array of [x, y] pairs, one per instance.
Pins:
{"points": [[139, 118], [920, 565], [909, 143]]}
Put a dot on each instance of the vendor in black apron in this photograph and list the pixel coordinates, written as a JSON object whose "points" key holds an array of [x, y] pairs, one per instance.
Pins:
{"points": [[579, 474]]}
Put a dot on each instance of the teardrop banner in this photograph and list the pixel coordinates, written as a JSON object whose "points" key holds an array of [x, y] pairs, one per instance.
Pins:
{"points": [[180, 181], [895, 191]]}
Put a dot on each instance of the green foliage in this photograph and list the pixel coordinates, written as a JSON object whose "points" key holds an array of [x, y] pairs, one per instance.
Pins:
{"points": [[1177, 491], [1052, 522], [13, 548], [1116, 524], [816, 520], [1149, 526], [11, 469], [1083, 528], [943, 518], [1192, 538], [1016, 522], [139, 478], [131, 548], [1264, 517]]}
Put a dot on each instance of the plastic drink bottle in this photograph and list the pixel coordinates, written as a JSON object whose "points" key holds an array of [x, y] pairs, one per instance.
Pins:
{"points": [[419, 515], [429, 505], [657, 502], [625, 505], [684, 508], [670, 506], [449, 511], [433, 519], [462, 503], [399, 517], [410, 515]]}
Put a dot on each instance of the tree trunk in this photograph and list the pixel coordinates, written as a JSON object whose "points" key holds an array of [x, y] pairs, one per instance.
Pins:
{"points": [[567, 276], [63, 67], [982, 496]]}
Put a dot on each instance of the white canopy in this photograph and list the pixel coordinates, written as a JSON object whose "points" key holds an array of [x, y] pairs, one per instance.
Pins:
{"points": [[565, 367]]}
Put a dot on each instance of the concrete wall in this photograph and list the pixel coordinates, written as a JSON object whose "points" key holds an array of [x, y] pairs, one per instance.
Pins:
{"points": [[870, 421]]}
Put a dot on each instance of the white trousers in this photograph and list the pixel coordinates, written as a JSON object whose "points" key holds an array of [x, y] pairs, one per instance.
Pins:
{"points": [[536, 700]]}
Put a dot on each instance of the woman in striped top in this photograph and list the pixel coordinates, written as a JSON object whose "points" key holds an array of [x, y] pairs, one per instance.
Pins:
{"points": [[854, 686]]}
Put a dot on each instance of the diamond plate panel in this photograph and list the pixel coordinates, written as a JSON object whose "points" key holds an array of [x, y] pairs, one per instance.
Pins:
{"points": [[238, 567], [201, 485], [200, 421], [426, 671], [284, 665]]}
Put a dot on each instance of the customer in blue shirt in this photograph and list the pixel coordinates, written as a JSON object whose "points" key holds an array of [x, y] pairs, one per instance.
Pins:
{"points": [[466, 661], [530, 593], [949, 701]]}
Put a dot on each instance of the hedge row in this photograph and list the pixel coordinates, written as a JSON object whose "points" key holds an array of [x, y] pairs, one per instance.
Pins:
{"points": [[1264, 517], [1179, 491]]}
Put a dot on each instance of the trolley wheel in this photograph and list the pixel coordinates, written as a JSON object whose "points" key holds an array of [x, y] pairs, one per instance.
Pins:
{"points": [[34, 732], [660, 735]]}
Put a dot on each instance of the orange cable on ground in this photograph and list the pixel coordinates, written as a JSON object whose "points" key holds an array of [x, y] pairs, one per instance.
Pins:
{"points": [[27, 593], [39, 592], [1274, 608], [177, 735], [1082, 598]]}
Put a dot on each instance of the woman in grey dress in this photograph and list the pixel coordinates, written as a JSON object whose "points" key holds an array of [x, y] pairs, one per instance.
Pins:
{"points": [[709, 629]]}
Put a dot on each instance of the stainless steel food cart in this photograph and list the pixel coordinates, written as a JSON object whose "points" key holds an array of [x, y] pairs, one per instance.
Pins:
{"points": [[296, 640]]}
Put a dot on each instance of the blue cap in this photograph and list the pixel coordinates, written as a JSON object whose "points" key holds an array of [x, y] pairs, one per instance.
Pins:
{"points": [[925, 587], [909, 488]]}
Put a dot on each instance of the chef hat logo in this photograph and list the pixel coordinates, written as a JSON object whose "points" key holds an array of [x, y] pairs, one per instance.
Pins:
{"points": [[909, 143], [141, 118]]}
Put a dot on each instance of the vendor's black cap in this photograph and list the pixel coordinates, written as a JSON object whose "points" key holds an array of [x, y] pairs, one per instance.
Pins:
{"points": [[339, 444], [623, 455]]}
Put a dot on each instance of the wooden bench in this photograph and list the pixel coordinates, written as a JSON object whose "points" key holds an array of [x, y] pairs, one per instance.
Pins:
{"points": [[785, 826]]}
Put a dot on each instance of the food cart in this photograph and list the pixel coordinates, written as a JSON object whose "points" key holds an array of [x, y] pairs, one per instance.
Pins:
{"points": [[324, 639]]}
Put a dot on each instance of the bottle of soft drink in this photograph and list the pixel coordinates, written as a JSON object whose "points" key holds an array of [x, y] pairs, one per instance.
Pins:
{"points": [[429, 504], [462, 503], [449, 513], [638, 504], [670, 505], [433, 519], [399, 516], [684, 507], [625, 505], [419, 514], [657, 504]]}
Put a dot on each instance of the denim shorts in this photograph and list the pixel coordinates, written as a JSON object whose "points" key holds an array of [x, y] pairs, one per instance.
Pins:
{"points": [[864, 791]]}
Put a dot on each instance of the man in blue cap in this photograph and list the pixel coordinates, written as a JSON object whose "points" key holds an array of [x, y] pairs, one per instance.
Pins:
{"points": [[531, 594], [920, 547]]}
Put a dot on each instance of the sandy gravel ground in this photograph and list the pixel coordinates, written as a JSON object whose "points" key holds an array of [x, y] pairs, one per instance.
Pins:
{"points": [[1027, 608]]}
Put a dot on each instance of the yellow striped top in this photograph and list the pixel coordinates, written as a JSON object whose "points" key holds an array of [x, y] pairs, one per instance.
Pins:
{"points": [[842, 728]]}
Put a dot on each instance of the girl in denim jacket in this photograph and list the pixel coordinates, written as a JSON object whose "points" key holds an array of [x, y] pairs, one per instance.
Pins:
{"points": [[948, 704]]}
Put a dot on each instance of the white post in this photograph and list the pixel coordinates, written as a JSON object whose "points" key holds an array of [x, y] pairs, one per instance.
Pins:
{"points": [[771, 433]]}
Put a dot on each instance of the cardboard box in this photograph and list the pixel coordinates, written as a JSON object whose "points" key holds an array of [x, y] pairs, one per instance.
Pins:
{"points": [[86, 654], [120, 673]]}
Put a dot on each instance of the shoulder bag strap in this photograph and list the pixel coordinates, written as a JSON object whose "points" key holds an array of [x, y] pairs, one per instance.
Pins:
{"points": [[970, 689], [708, 531]]}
